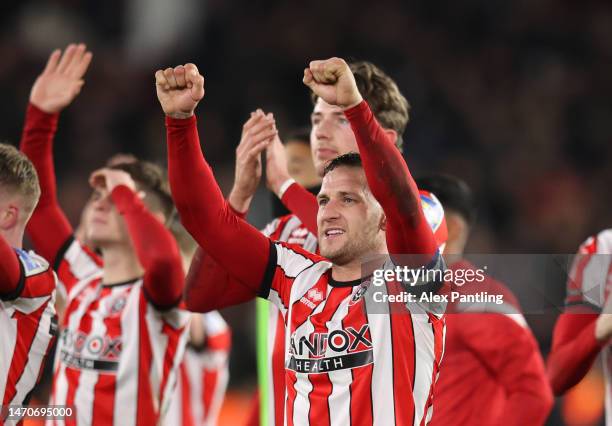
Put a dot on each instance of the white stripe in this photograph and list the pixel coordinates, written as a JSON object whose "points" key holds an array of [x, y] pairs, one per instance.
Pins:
{"points": [[8, 335], [291, 262], [340, 398], [126, 394], [37, 353], [383, 406], [424, 363]]}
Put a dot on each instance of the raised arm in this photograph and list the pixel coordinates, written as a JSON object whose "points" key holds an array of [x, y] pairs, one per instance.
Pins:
{"points": [[574, 349], [386, 171], [238, 247], [54, 90], [156, 248], [10, 271]]}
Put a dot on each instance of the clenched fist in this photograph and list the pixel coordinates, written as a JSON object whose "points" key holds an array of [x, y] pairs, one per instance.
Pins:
{"points": [[62, 79], [333, 81], [179, 90]]}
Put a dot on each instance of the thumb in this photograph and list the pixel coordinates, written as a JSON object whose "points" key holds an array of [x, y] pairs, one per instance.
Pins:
{"points": [[308, 78]]}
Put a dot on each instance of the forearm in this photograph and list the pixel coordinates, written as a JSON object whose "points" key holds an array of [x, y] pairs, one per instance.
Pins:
{"points": [[391, 184], [303, 204], [238, 247], [155, 247], [10, 272], [48, 227], [208, 286], [574, 350]]}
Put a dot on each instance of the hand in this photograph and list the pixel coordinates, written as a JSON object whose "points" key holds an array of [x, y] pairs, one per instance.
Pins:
{"points": [[179, 90], [62, 79], [333, 81], [277, 172], [257, 133], [108, 179]]}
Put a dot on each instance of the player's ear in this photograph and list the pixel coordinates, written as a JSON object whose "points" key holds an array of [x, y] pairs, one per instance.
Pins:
{"points": [[382, 223], [9, 216]]}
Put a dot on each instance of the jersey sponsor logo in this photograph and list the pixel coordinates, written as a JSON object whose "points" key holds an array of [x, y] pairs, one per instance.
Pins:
{"points": [[96, 352], [325, 365], [316, 344]]}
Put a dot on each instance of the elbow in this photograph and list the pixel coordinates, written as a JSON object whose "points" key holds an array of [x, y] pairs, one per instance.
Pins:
{"points": [[166, 280]]}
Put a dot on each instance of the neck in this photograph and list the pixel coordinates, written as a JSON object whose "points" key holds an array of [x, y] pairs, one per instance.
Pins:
{"points": [[13, 236], [362, 266], [120, 264]]}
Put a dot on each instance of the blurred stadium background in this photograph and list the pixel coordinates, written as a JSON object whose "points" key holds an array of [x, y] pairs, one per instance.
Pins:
{"points": [[514, 97]]}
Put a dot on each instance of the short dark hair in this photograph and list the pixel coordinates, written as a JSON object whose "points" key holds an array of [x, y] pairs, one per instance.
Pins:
{"points": [[350, 159], [453, 193], [380, 91], [18, 175], [151, 179]]}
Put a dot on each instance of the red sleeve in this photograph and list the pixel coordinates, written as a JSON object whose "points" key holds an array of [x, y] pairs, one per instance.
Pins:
{"points": [[48, 227], [237, 246], [209, 286], [10, 271], [155, 247], [574, 349], [511, 353], [392, 185], [303, 204]]}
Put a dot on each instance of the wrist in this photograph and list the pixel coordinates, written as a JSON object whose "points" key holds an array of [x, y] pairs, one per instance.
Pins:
{"points": [[180, 115], [239, 202], [354, 102], [284, 186]]}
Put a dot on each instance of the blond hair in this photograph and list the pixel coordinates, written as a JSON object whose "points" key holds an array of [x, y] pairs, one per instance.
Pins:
{"points": [[18, 176]]}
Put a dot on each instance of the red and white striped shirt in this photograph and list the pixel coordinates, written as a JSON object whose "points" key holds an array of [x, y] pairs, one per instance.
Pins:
{"points": [[28, 326], [291, 230], [118, 355], [349, 362], [203, 376]]}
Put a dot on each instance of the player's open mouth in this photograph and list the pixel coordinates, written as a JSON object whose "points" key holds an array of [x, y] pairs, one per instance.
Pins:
{"points": [[333, 232]]}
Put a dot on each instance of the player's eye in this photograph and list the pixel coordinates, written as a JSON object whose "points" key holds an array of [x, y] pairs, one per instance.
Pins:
{"points": [[315, 121], [323, 201], [348, 200], [343, 120]]}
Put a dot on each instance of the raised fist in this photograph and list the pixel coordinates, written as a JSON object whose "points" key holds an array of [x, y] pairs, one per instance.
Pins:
{"points": [[333, 81], [179, 90], [62, 79]]}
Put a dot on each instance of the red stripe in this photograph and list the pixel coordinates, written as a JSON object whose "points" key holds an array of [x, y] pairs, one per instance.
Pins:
{"points": [[65, 275], [104, 400], [404, 359], [220, 341], [145, 413], [361, 386], [104, 391], [210, 380], [437, 325], [321, 384], [72, 379], [278, 371], [173, 335], [27, 327], [185, 389]]}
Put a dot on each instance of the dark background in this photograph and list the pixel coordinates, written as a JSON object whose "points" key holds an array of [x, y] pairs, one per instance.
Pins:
{"points": [[512, 96]]}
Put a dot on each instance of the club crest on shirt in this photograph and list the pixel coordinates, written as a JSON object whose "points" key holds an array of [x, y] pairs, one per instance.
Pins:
{"points": [[358, 294]]}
